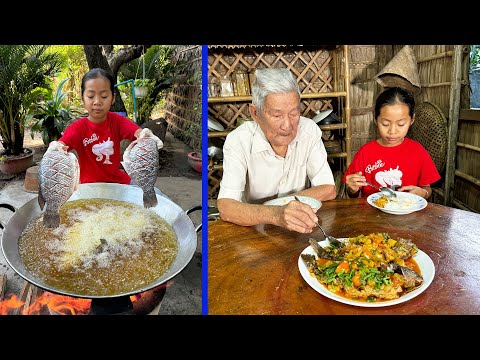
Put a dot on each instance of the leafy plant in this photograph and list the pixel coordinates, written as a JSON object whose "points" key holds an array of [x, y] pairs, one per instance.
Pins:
{"points": [[141, 82], [24, 69], [51, 117], [474, 58], [159, 76]]}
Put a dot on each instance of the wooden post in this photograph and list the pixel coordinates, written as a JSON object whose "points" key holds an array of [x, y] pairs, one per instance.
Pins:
{"points": [[348, 130], [454, 111], [3, 286]]}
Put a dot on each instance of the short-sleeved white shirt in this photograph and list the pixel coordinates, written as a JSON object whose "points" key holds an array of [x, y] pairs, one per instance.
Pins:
{"points": [[253, 173]]}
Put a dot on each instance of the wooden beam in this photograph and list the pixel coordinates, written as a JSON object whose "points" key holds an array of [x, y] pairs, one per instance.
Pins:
{"points": [[333, 126], [448, 83], [454, 106], [470, 114], [215, 134], [468, 146], [445, 54], [467, 177]]}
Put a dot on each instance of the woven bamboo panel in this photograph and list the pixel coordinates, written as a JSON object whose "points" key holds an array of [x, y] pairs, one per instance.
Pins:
{"points": [[183, 103], [313, 67], [214, 178]]}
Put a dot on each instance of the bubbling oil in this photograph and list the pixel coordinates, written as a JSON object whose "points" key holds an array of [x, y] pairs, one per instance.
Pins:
{"points": [[102, 247]]}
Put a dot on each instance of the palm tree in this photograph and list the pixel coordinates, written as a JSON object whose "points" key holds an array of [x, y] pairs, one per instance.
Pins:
{"points": [[24, 69]]}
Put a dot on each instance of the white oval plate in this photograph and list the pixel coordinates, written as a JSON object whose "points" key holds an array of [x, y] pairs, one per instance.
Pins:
{"points": [[214, 125], [314, 203], [417, 203], [322, 115], [424, 263]]}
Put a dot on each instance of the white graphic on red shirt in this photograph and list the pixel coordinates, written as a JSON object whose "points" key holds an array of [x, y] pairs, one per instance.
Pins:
{"points": [[389, 177], [92, 138], [103, 148], [378, 164]]}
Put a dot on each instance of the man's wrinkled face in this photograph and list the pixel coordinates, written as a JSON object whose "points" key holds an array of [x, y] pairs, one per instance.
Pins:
{"points": [[279, 118]]}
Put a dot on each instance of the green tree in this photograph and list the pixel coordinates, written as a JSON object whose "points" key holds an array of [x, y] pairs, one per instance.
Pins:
{"points": [[111, 58], [75, 67], [23, 70]]}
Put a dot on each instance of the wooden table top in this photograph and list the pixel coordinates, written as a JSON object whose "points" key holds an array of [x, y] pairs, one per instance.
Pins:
{"points": [[254, 270]]}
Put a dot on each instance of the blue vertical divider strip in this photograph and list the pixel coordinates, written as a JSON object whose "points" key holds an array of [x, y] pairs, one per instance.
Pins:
{"points": [[204, 179]]}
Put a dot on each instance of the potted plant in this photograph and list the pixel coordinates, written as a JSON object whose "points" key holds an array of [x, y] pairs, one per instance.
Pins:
{"points": [[194, 136], [50, 116], [23, 70], [141, 87]]}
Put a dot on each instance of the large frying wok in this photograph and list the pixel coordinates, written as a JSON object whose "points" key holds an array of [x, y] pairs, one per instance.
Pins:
{"points": [[167, 209]]}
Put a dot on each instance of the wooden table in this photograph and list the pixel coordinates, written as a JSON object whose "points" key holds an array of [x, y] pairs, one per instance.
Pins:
{"points": [[254, 270]]}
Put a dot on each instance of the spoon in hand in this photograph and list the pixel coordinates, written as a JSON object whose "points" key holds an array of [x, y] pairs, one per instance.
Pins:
{"points": [[330, 238], [383, 189]]}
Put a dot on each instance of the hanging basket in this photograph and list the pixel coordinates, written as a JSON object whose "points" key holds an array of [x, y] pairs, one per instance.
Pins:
{"points": [[140, 91]]}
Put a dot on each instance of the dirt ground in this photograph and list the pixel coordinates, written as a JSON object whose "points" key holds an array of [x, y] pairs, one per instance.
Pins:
{"points": [[173, 159]]}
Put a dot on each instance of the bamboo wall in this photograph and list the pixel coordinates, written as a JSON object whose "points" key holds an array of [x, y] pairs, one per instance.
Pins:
{"points": [[364, 63], [183, 104]]}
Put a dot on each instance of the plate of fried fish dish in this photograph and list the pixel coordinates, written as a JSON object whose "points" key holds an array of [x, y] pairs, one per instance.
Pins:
{"points": [[370, 270]]}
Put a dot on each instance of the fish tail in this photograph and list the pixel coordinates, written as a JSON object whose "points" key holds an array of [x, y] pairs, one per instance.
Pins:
{"points": [[51, 219], [149, 198]]}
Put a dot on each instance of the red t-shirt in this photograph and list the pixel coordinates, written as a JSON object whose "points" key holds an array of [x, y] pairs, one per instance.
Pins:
{"points": [[98, 147], [405, 164]]}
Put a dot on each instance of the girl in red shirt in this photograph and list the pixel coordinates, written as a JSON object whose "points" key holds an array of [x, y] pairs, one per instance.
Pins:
{"points": [[96, 138], [392, 159]]}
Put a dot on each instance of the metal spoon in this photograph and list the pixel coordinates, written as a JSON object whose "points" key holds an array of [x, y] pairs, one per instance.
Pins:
{"points": [[383, 189], [334, 241], [331, 239]]}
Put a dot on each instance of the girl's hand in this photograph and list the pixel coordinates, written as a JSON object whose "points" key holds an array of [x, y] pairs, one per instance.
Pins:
{"points": [[57, 146], [355, 181], [147, 133], [417, 190]]}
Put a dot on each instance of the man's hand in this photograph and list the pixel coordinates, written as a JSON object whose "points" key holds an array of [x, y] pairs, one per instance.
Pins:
{"points": [[298, 217], [147, 133]]}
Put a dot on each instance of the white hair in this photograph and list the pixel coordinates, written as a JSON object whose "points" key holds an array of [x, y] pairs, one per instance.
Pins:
{"points": [[272, 81]]}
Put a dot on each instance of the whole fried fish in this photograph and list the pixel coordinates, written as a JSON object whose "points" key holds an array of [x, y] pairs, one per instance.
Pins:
{"points": [[58, 178], [140, 161]]}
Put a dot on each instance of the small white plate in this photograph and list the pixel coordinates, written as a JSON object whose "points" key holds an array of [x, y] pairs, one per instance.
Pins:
{"points": [[321, 115], [314, 203], [214, 125], [423, 260], [406, 202]]}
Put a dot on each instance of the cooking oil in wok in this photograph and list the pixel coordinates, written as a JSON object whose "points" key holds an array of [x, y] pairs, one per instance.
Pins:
{"points": [[102, 247]]}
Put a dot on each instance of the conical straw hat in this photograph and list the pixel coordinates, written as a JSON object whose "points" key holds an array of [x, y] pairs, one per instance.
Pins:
{"points": [[401, 71]]}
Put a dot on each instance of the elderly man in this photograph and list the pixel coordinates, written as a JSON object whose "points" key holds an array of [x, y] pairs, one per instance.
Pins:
{"points": [[280, 153]]}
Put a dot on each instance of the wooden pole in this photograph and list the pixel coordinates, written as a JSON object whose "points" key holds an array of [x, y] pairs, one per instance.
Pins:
{"points": [[348, 130], [454, 111], [3, 285]]}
